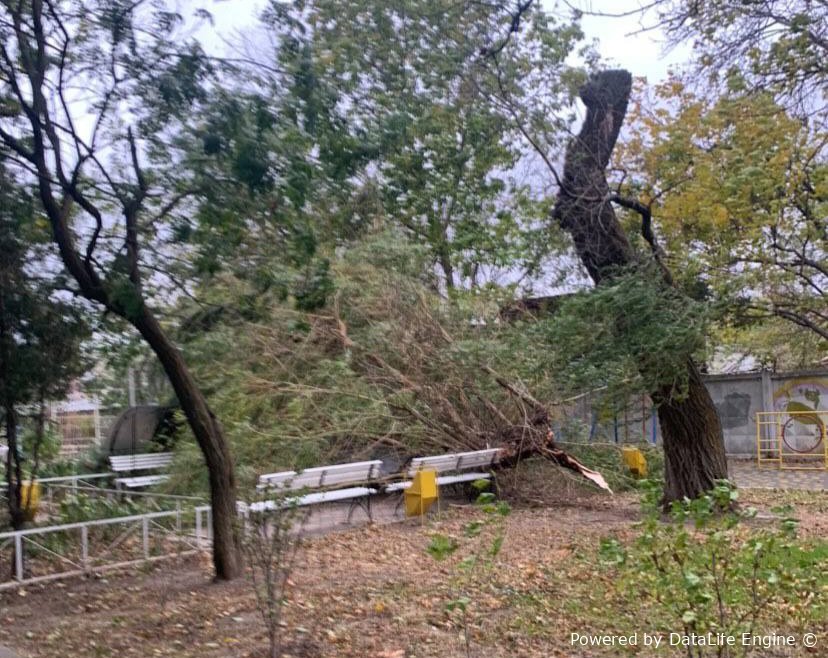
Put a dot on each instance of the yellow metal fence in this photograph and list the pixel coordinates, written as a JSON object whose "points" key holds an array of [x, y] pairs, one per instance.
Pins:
{"points": [[792, 440]]}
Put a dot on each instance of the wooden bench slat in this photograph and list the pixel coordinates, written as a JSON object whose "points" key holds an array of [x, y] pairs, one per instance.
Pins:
{"points": [[276, 478], [314, 498], [323, 476], [452, 466], [455, 461], [443, 479], [143, 462], [140, 481]]}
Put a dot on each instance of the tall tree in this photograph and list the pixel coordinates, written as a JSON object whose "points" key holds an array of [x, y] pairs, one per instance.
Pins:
{"points": [[739, 191], [91, 96], [408, 87], [692, 434], [777, 46], [39, 338]]}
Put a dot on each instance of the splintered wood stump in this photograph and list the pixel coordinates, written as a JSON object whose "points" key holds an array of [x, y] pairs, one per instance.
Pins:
{"points": [[690, 428]]}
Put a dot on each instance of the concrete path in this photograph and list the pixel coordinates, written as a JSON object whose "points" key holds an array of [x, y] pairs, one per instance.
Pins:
{"points": [[748, 476]]}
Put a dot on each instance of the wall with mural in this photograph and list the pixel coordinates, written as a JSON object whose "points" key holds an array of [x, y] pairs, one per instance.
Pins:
{"points": [[738, 397]]}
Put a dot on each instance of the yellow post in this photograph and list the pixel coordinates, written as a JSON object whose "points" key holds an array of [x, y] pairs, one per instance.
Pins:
{"points": [[422, 493], [635, 461], [29, 498], [758, 424]]}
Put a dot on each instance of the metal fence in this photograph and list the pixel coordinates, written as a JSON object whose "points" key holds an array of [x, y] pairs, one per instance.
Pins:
{"points": [[62, 551]]}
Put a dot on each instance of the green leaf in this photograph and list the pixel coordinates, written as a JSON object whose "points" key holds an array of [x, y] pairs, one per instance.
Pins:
{"points": [[442, 546]]}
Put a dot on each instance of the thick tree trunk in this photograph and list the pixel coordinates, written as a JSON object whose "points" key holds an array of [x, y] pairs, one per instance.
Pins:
{"points": [[694, 456], [690, 428], [211, 440], [14, 471]]}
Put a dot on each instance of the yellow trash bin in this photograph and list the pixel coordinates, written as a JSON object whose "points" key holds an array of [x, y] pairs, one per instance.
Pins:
{"points": [[421, 494], [29, 498], [635, 461]]}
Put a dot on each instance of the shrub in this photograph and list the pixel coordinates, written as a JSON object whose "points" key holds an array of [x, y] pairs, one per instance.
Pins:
{"points": [[710, 568], [482, 541], [271, 541]]}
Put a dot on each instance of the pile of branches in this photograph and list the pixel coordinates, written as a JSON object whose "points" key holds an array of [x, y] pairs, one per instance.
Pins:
{"points": [[417, 388]]}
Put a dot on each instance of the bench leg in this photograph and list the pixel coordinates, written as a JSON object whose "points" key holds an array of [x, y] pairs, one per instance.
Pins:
{"points": [[364, 503]]}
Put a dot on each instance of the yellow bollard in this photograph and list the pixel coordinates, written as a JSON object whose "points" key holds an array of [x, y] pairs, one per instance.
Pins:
{"points": [[29, 498], [635, 461], [421, 494]]}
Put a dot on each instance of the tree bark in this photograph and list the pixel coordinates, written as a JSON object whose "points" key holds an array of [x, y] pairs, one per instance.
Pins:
{"points": [[690, 428], [694, 455], [210, 437], [14, 471]]}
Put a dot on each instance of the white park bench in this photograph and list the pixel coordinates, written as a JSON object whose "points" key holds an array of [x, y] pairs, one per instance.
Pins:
{"points": [[452, 468], [333, 479], [151, 461]]}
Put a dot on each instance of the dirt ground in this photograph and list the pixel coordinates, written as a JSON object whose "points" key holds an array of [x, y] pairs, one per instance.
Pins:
{"points": [[368, 592]]}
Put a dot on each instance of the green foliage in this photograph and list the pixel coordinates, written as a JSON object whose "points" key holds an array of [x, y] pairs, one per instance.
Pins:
{"points": [[631, 333], [712, 568], [606, 459], [40, 335], [429, 142], [78, 507], [297, 388], [47, 445], [773, 45]]}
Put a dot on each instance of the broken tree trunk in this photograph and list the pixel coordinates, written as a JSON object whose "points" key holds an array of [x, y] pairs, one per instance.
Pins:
{"points": [[459, 426], [690, 428]]}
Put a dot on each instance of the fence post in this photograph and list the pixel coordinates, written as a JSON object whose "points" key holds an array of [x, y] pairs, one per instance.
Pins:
{"points": [[97, 424], [18, 557], [198, 527], [145, 532], [84, 546]]}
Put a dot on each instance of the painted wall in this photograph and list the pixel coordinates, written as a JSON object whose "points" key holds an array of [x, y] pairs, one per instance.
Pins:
{"points": [[737, 398]]}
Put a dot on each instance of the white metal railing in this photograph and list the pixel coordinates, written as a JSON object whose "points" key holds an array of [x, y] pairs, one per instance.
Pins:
{"points": [[74, 481], [78, 478], [120, 493], [170, 542]]}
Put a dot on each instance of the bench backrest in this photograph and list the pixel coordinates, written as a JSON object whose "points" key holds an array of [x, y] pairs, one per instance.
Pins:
{"points": [[456, 461], [276, 479], [145, 462], [324, 476]]}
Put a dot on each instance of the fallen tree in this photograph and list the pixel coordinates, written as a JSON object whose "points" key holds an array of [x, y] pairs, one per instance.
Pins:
{"points": [[386, 367], [465, 424]]}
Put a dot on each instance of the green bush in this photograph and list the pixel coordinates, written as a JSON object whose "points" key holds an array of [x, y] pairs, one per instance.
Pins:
{"points": [[82, 507], [712, 568]]}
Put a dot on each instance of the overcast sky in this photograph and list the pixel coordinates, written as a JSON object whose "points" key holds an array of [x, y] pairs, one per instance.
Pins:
{"points": [[642, 53]]}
